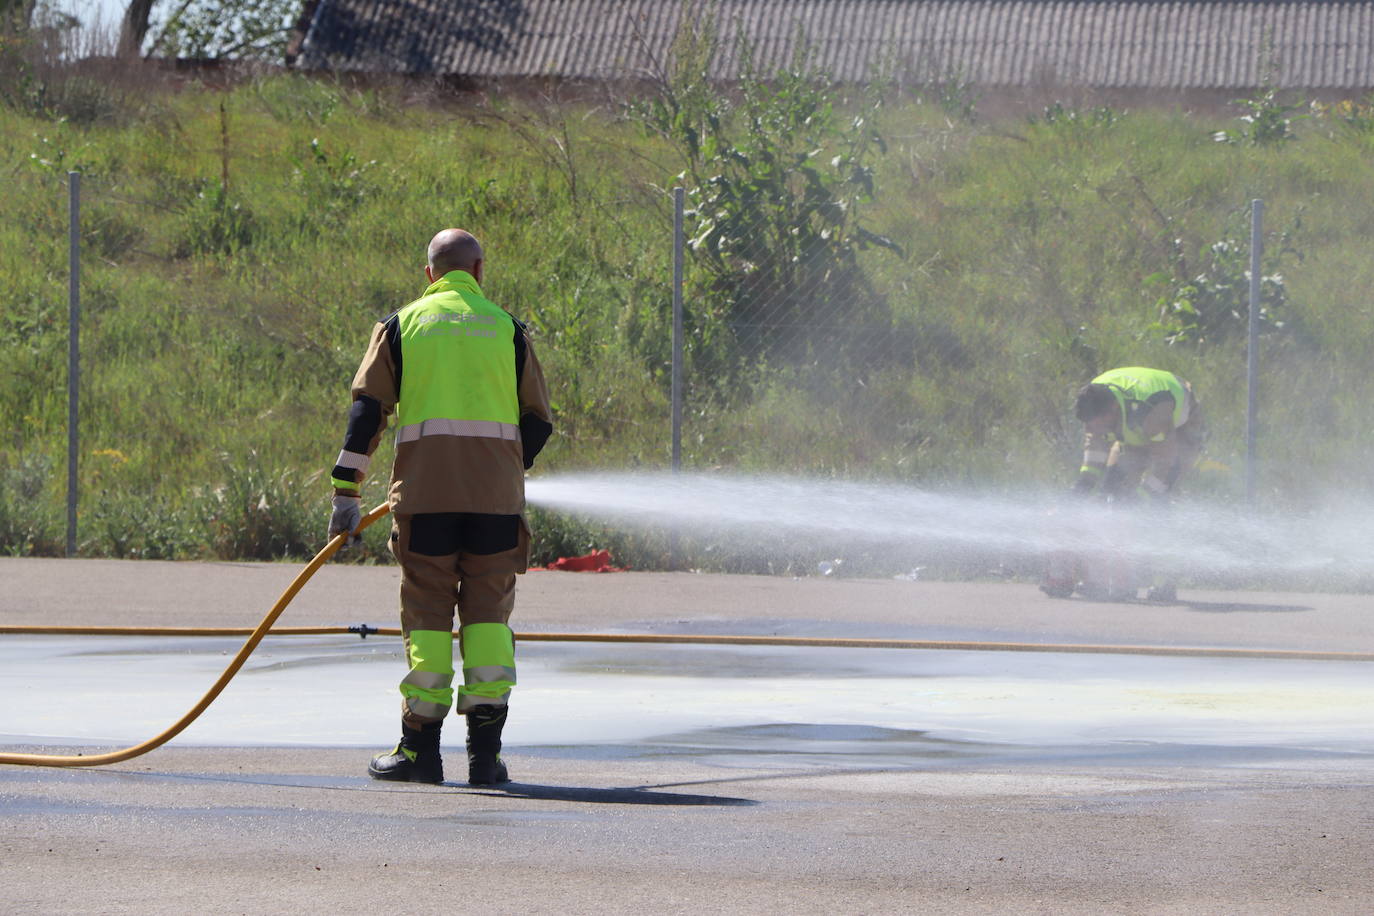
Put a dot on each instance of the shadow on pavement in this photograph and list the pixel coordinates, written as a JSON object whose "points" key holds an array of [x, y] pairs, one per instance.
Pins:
{"points": [[621, 796], [633, 795], [1227, 607], [1207, 607]]}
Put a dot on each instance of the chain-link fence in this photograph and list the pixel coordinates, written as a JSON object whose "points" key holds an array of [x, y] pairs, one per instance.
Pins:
{"points": [[122, 387], [777, 325], [781, 332]]}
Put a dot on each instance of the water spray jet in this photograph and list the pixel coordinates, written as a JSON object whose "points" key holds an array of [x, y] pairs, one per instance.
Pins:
{"points": [[901, 524]]}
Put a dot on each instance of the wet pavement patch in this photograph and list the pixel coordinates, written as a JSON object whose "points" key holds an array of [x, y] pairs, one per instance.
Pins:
{"points": [[736, 706]]}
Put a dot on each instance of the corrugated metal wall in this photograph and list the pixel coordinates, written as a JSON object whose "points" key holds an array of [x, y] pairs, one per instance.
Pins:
{"points": [[1160, 45]]}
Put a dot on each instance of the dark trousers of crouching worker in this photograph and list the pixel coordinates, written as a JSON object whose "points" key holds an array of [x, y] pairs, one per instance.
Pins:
{"points": [[1126, 479], [465, 561]]}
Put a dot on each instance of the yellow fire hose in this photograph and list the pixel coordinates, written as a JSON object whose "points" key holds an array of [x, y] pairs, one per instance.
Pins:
{"points": [[256, 635], [56, 760], [804, 642]]}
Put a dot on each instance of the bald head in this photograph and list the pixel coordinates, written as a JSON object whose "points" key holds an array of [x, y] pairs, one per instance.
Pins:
{"points": [[454, 249]]}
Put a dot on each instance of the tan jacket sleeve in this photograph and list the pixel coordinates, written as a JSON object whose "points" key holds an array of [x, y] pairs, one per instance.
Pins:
{"points": [[376, 376], [375, 392], [534, 391], [536, 415]]}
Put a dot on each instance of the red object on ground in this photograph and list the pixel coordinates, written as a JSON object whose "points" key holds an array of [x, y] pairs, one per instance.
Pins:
{"points": [[596, 561]]}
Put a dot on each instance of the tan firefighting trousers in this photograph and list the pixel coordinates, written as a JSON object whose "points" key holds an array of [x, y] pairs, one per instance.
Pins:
{"points": [[457, 561]]}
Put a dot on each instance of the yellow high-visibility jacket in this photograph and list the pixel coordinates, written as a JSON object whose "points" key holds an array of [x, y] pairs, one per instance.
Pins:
{"points": [[471, 402]]}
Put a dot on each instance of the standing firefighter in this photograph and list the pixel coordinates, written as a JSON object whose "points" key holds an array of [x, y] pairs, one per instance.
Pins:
{"points": [[472, 414], [1143, 432]]}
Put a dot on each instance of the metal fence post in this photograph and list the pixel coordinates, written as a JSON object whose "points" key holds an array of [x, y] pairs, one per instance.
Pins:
{"points": [[1252, 346], [73, 349], [678, 197]]}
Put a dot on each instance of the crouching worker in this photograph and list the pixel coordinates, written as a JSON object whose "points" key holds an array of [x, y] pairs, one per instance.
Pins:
{"points": [[1143, 432], [472, 412]]}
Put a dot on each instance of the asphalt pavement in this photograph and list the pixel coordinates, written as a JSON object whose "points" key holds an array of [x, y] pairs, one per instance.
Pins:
{"points": [[699, 779]]}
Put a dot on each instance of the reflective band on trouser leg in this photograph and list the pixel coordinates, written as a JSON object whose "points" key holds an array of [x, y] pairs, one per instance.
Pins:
{"points": [[428, 688], [488, 665]]}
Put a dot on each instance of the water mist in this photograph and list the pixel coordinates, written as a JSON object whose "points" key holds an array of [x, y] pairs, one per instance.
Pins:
{"points": [[902, 523]]}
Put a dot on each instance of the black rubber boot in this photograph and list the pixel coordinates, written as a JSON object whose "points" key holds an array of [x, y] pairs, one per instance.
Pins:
{"points": [[416, 758], [484, 746]]}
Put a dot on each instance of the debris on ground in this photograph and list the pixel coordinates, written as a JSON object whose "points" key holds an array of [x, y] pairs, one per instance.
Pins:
{"points": [[596, 561]]}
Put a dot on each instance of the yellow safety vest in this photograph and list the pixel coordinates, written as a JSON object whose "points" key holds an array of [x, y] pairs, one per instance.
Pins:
{"points": [[457, 364], [1134, 389]]}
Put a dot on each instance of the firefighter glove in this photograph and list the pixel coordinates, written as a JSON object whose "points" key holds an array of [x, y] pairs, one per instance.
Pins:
{"points": [[346, 517]]}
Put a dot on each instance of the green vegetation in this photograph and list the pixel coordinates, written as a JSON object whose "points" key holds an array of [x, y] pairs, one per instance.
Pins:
{"points": [[239, 243]]}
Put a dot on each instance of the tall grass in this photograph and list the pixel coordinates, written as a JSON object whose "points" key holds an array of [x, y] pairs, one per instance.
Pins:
{"points": [[240, 242]]}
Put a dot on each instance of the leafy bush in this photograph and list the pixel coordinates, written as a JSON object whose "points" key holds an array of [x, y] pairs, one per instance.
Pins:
{"points": [[1213, 305], [53, 158], [955, 94], [29, 523], [777, 181], [1057, 113], [1267, 120], [340, 181], [126, 527], [259, 513], [1356, 116], [214, 223]]}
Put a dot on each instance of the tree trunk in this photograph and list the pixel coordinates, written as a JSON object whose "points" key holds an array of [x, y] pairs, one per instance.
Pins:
{"points": [[134, 28], [16, 16]]}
